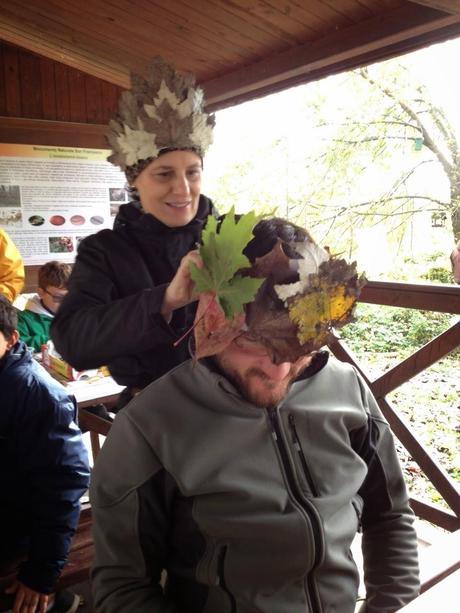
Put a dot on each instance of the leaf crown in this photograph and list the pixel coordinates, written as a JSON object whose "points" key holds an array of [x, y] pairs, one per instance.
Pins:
{"points": [[279, 285], [162, 111]]}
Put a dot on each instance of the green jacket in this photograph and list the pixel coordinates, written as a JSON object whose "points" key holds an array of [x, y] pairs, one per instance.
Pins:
{"points": [[34, 324]]}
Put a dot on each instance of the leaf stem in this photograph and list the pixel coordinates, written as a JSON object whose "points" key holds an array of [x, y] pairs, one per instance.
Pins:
{"points": [[194, 325]]}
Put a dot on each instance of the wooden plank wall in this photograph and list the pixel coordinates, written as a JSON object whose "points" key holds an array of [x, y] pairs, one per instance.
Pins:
{"points": [[34, 87]]}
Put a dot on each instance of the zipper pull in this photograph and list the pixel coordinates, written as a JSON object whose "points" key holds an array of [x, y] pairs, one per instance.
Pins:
{"points": [[272, 417], [295, 440]]}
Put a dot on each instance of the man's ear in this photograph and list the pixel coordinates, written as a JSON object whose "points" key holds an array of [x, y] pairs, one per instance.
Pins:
{"points": [[11, 342], [40, 292]]}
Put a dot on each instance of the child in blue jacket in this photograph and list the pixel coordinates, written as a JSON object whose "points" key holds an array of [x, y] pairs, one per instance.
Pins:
{"points": [[43, 473]]}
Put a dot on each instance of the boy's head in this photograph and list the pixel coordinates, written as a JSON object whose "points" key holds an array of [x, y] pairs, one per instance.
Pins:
{"points": [[8, 325], [52, 282]]}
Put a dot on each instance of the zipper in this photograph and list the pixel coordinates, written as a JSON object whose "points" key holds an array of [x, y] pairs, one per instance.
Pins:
{"points": [[221, 578], [303, 459], [303, 503]]}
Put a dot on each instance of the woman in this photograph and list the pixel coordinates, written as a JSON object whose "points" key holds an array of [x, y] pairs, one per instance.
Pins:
{"points": [[130, 293]]}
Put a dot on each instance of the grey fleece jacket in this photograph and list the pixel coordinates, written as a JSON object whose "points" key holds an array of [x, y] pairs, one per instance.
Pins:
{"points": [[250, 510]]}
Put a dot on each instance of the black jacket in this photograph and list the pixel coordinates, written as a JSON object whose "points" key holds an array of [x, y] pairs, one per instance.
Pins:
{"points": [[44, 468], [111, 315]]}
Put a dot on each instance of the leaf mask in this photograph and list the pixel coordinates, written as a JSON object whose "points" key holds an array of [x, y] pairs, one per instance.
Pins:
{"points": [[280, 286]]}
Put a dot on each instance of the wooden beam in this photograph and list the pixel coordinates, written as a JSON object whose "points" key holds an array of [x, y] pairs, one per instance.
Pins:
{"points": [[441, 298], [448, 6], [59, 133], [438, 476], [425, 510], [398, 31], [417, 362]]}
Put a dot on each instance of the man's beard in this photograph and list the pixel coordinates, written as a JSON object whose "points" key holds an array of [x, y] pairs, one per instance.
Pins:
{"points": [[268, 393]]}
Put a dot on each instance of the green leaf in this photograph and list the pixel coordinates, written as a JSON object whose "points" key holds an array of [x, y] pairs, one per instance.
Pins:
{"points": [[236, 293], [222, 255]]}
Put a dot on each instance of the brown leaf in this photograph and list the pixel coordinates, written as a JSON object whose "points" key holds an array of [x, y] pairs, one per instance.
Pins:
{"points": [[275, 264], [212, 331], [269, 322]]}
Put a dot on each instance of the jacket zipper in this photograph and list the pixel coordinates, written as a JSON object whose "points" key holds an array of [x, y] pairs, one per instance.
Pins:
{"points": [[303, 460], [221, 577], [298, 496]]}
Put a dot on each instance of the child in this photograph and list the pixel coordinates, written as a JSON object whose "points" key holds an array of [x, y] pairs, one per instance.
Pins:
{"points": [[11, 268], [44, 472], [34, 321]]}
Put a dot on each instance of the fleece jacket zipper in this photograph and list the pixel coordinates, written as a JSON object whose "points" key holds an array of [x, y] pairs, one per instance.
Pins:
{"points": [[303, 503]]}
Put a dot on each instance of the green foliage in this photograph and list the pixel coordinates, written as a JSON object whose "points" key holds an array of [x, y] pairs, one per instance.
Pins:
{"points": [[439, 274], [222, 255], [385, 329]]}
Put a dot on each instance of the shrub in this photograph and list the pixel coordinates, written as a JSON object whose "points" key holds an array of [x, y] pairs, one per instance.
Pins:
{"points": [[383, 329], [440, 274]]}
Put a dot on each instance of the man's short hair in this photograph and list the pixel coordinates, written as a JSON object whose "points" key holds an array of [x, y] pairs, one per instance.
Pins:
{"points": [[268, 231], [54, 273], [8, 318]]}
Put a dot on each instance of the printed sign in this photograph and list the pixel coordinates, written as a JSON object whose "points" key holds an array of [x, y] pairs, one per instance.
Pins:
{"points": [[53, 197]]}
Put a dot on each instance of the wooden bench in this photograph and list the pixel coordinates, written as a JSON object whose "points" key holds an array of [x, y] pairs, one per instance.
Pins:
{"points": [[441, 597], [439, 560], [439, 576]]}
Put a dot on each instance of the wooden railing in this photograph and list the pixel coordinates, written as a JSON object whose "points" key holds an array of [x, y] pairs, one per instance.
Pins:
{"points": [[441, 298]]}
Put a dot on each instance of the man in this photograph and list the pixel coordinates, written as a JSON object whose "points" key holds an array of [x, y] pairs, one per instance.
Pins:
{"points": [[43, 473], [455, 261], [34, 321], [247, 475], [11, 268]]}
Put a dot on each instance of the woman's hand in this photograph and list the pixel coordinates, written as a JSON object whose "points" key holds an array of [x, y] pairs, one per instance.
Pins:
{"points": [[27, 600], [180, 290]]}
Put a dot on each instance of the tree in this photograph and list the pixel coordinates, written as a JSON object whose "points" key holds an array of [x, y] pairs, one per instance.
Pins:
{"points": [[393, 154]]}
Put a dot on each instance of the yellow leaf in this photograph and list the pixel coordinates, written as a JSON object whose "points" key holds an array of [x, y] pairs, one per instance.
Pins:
{"points": [[323, 306]]}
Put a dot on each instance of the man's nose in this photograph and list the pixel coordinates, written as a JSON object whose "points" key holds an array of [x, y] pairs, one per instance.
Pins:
{"points": [[276, 372]]}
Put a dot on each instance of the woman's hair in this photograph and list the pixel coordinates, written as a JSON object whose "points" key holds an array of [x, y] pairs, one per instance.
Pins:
{"points": [[54, 273], [8, 318]]}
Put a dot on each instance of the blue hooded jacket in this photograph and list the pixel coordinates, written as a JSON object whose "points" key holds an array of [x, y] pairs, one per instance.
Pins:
{"points": [[43, 468]]}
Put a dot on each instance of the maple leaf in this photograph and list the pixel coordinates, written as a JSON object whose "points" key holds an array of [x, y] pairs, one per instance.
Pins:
{"points": [[326, 302], [222, 255], [321, 308]]}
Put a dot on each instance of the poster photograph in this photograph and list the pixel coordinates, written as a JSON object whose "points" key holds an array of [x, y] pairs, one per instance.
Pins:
{"points": [[53, 197]]}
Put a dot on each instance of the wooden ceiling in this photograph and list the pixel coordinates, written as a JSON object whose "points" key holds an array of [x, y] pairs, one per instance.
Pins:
{"points": [[238, 49]]}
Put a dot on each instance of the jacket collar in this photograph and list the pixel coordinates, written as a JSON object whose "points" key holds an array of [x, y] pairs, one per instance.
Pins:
{"points": [[17, 355]]}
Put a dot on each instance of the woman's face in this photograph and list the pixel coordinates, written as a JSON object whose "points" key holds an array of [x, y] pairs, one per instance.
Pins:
{"points": [[169, 187]]}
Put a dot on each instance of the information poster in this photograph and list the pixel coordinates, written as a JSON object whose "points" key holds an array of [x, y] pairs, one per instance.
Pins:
{"points": [[53, 197]]}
